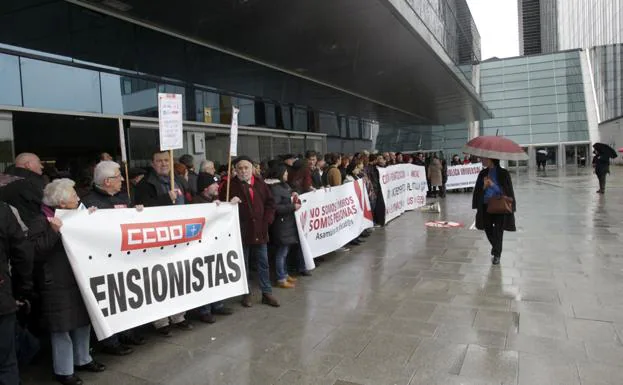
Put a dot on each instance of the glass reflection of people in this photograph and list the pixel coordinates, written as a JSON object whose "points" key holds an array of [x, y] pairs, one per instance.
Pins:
{"points": [[493, 181]]}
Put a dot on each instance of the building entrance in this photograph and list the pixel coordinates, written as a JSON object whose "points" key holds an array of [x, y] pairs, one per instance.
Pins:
{"points": [[66, 144], [577, 155]]}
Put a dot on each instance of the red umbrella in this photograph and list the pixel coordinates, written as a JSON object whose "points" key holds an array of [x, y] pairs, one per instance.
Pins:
{"points": [[495, 147], [620, 149]]}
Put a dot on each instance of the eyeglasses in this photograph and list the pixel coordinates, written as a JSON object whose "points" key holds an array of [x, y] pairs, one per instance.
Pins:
{"points": [[116, 177]]}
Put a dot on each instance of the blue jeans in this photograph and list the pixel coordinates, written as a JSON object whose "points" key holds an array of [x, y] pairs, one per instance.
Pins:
{"points": [[207, 309], [70, 349], [281, 254], [261, 255]]}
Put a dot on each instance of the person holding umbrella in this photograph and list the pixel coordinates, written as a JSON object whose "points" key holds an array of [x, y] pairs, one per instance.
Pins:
{"points": [[601, 162], [494, 197]]}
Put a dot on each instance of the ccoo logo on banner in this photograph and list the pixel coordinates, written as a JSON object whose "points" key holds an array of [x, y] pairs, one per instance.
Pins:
{"points": [[403, 187], [136, 267], [330, 218]]}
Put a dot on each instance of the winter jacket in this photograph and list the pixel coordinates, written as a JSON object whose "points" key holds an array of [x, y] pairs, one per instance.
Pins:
{"points": [[62, 306], [506, 184], [102, 200], [193, 177], [602, 164], [334, 176], [150, 191], [14, 248], [283, 230], [256, 213], [316, 179], [435, 169], [25, 193]]}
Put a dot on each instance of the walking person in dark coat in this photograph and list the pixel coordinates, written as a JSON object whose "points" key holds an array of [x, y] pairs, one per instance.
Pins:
{"points": [[64, 311], [493, 181], [256, 208], [15, 286], [283, 231], [601, 163]]}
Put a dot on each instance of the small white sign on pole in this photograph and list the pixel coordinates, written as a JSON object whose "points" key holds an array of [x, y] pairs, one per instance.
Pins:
{"points": [[170, 121], [233, 135], [124, 156]]}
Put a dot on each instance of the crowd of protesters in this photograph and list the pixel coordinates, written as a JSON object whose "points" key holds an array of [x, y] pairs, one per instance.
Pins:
{"points": [[40, 302]]}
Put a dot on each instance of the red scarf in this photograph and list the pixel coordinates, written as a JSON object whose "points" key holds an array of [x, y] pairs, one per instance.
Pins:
{"points": [[251, 183]]}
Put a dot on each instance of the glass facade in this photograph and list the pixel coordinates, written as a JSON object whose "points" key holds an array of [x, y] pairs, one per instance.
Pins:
{"points": [[536, 99], [557, 25], [42, 84], [450, 23], [607, 64], [583, 24], [448, 139]]}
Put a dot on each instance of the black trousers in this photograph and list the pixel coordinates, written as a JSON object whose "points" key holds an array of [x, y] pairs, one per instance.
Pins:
{"points": [[9, 373], [602, 181], [494, 228]]}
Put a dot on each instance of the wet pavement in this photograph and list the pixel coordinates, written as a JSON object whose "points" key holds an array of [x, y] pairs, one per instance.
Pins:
{"points": [[424, 306]]}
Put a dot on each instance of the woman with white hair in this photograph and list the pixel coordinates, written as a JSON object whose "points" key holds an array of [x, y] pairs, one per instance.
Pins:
{"points": [[63, 309]]}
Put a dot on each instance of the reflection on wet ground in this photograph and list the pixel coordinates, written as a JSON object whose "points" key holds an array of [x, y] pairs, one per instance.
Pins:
{"points": [[423, 306]]}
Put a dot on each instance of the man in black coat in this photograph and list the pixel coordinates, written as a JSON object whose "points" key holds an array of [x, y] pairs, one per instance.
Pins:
{"points": [[602, 168], [155, 190], [15, 285], [26, 191], [497, 181], [106, 194]]}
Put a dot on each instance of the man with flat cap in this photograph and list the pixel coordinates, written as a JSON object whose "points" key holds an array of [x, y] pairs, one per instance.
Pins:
{"points": [[256, 209]]}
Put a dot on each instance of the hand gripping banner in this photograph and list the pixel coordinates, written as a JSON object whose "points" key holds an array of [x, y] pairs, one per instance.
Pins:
{"points": [[136, 267]]}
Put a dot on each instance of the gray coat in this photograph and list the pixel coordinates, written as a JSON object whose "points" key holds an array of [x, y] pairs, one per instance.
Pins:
{"points": [[435, 172]]}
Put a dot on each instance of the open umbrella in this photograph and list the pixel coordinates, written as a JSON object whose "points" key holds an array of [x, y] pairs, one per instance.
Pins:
{"points": [[495, 147], [620, 149], [603, 148]]}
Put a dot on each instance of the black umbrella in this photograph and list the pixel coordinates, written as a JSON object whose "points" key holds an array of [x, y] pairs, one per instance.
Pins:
{"points": [[604, 149]]}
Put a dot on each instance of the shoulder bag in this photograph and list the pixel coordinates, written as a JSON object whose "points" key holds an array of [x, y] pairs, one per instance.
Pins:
{"points": [[500, 205]]}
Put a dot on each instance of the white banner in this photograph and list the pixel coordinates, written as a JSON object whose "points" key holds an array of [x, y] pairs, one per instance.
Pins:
{"points": [[136, 267], [403, 187], [330, 218], [233, 134], [170, 121], [463, 176]]}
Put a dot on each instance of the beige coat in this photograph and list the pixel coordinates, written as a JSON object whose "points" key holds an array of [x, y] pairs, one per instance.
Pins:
{"points": [[434, 172]]}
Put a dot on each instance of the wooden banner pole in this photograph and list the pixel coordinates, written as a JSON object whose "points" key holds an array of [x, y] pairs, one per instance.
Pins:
{"points": [[127, 183], [228, 177], [171, 171]]}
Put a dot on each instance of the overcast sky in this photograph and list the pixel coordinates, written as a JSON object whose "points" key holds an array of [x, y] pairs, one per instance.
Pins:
{"points": [[496, 21]]}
